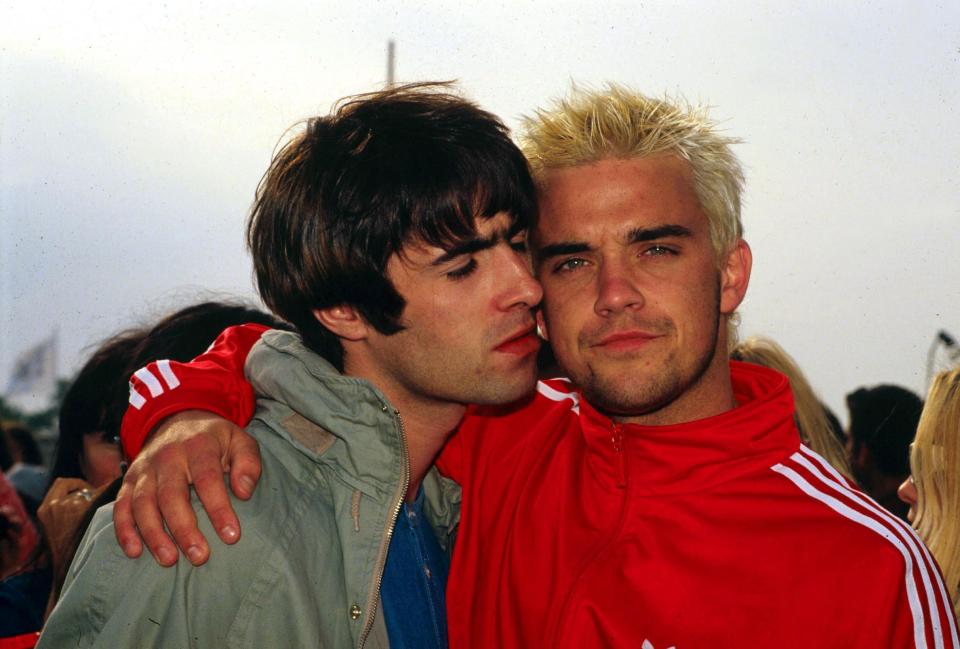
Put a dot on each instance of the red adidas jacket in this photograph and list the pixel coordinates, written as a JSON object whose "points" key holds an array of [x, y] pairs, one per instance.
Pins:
{"points": [[579, 532]]}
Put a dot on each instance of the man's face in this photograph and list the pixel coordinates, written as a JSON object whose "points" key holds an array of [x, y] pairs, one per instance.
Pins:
{"points": [[469, 332], [633, 296]]}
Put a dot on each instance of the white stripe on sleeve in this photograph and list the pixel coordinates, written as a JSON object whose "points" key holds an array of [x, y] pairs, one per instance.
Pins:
{"points": [[555, 395], [916, 610], [167, 373], [136, 399], [149, 380], [917, 547]]}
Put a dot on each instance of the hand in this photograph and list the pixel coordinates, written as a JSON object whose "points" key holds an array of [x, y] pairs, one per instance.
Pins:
{"points": [[192, 447]]}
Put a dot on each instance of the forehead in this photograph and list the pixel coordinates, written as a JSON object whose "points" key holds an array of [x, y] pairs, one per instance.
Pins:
{"points": [[613, 196], [487, 231]]}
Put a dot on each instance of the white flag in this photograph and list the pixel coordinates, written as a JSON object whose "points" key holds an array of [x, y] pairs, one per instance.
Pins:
{"points": [[34, 374]]}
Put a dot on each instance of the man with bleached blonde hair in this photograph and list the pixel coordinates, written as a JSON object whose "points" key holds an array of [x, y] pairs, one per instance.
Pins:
{"points": [[660, 497], [587, 127]]}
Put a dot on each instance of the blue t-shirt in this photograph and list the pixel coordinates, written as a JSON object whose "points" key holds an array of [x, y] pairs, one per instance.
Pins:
{"points": [[412, 592]]}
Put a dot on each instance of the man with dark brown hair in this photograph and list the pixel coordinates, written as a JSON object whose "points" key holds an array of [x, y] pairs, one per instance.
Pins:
{"points": [[370, 226]]}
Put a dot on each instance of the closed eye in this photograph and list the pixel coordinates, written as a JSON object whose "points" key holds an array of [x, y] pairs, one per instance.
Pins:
{"points": [[464, 271]]}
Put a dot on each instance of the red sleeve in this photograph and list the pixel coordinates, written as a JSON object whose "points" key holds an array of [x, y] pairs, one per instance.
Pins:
{"points": [[25, 641], [213, 381]]}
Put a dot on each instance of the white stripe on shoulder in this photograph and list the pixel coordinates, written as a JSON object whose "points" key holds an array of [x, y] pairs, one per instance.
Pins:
{"points": [[136, 399], [149, 380], [556, 395], [920, 551], [167, 373], [919, 632]]}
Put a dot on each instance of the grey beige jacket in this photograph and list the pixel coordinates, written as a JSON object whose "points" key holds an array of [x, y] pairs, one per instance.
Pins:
{"points": [[307, 569]]}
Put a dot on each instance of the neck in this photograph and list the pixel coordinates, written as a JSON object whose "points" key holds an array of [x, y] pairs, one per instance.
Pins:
{"points": [[708, 395], [427, 422]]}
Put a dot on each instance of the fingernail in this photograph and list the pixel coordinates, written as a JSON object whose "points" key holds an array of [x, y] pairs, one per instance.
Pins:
{"points": [[229, 533], [130, 549], [195, 553], [166, 555], [246, 483]]}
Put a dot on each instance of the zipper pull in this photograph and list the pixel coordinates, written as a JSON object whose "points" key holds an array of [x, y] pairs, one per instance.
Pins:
{"points": [[616, 439]]}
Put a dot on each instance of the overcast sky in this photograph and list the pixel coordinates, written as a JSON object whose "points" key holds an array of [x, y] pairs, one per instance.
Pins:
{"points": [[133, 135]]}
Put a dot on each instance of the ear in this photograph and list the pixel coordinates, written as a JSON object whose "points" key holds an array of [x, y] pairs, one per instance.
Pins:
{"points": [[541, 325], [343, 321], [735, 276]]}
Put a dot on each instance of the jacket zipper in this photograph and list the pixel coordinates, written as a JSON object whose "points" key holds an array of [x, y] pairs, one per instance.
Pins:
{"points": [[374, 595], [617, 441]]}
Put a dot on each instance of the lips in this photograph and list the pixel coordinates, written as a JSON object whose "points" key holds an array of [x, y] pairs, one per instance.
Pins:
{"points": [[521, 343], [624, 340]]}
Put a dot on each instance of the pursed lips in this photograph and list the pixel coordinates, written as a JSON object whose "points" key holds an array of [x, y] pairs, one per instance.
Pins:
{"points": [[520, 342]]}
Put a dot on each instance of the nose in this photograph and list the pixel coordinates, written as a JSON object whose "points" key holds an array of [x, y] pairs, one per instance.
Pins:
{"points": [[616, 291], [907, 492], [521, 290]]}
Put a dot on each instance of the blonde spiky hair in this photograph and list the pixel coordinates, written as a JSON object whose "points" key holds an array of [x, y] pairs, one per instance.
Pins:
{"points": [[935, 467], [589, 125]]}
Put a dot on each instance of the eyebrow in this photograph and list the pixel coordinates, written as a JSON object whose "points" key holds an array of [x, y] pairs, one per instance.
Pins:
{"points": [[639, 235], [468, 247], [636, 235], [562, 248]]}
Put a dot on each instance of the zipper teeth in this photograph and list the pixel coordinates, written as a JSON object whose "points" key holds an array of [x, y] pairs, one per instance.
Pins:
{"points": [[621, 456], [374, 596], [617, 438]]}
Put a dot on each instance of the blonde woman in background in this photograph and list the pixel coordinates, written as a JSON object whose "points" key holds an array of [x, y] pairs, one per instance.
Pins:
{"points": [[811, 416], [933, 488]]}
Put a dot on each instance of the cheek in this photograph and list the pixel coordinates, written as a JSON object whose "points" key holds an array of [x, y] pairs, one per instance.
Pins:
{"points": [[563, 332], [103, 459]]}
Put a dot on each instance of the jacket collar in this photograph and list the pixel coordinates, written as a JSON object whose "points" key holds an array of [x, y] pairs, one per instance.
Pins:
{"points": [[691, 456], [329, 417]]}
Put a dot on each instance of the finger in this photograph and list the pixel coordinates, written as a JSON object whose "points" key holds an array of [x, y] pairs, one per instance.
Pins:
{"points": [[207, 473], [123, 525], [146, 516], [173, 495], [243, 458]]}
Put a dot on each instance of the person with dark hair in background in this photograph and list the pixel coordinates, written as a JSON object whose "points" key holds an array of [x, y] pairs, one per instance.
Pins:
{"points": [[883, 423], [87, 457], [390, 234]]}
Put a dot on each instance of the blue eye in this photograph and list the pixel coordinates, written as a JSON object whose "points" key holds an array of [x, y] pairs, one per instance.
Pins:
{"points": [[658, 251], [569, 265], [463, 271]]}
